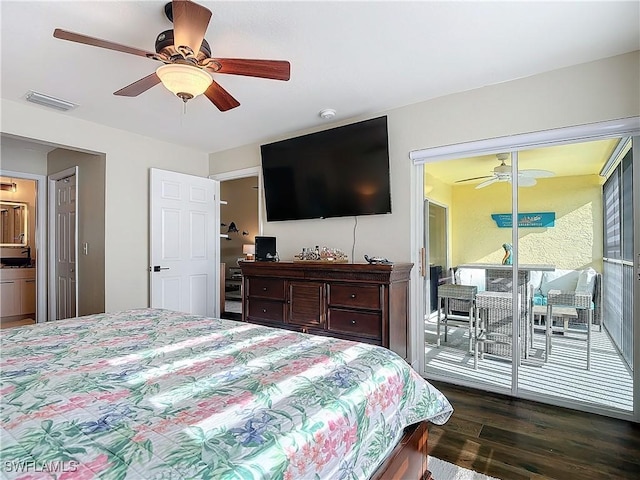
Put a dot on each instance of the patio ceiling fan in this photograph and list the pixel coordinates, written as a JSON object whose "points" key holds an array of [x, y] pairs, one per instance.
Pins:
{"points": [[502, 173]]}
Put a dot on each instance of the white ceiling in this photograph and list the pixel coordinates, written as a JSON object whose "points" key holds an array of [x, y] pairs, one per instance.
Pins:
{"points": [[359, 58]]}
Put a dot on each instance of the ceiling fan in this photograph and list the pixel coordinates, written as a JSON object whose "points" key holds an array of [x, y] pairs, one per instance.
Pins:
{"points": [[186, 55], [502, 173]]}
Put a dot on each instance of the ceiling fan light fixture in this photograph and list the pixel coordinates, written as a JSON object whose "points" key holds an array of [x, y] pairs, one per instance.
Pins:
{"points": [[185, 81]]}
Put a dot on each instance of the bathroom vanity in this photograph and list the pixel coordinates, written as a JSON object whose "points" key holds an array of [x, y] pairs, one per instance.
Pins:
{"points": [[17, 293]]}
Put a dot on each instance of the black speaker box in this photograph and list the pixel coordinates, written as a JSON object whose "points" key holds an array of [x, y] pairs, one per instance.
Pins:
{"points": [[265, 249]]}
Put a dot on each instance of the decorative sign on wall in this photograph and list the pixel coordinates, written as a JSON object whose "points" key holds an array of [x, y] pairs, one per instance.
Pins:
{"points": [[526, 220]]}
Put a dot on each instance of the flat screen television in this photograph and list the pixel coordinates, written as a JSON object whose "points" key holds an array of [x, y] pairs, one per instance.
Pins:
{"points": [[339, 172]]}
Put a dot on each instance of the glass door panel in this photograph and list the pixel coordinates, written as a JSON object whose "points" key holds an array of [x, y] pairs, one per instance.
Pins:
{"points": [[573, 314], [570, 215], [461, 346]]}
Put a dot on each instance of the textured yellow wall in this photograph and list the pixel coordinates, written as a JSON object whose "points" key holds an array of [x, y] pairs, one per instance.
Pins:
{"points": [[436, 190], [574, 242]]}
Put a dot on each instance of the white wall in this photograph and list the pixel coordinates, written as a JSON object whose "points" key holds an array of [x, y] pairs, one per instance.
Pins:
{"points": [[587, 93], [128, 159], [22, 159], [597, 91]]}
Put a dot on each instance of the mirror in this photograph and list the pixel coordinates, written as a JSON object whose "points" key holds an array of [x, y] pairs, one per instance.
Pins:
{"points": [[13, 224]]}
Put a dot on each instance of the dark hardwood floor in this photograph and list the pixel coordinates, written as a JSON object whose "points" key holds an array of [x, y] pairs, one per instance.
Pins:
{"points": [[516, 439], [13, 322]]}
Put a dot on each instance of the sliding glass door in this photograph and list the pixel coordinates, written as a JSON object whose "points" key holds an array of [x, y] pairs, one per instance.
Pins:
{"points": [[558, 325]]}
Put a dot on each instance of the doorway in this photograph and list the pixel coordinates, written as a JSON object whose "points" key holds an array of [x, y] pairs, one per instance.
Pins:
{"points": [[569, 357], [21, 256], [29, 159], [240, 223]]}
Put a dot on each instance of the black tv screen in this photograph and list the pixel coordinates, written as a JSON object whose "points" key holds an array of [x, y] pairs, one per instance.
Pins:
{"points": [[339, 172]]}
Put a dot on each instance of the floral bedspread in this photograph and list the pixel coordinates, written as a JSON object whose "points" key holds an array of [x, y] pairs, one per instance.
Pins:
{"points": [[156, 394]]}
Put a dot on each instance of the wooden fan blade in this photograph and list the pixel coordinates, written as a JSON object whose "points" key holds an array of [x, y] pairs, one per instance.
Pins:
{"points": [[190, 22], [220, 97], [274, 69], [141, 86], [96, 42], [473, 178]]}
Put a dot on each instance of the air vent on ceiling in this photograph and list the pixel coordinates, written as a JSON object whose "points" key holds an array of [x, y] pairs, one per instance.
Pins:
{"points": [[49, 101]]}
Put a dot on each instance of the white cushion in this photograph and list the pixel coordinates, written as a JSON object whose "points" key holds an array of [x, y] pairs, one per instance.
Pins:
{"points": [[564, 280], [586, 281], [535, 279], [471, 276]]}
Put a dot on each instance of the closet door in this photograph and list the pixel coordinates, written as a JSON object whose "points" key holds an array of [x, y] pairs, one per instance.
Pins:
{"points": [[63, 214]]}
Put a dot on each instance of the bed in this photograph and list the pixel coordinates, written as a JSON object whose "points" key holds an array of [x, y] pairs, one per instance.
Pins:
{"points": [[157, 394]]}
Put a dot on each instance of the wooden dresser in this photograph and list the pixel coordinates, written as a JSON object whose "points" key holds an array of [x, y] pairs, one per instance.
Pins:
{"points": [[361, 302]]}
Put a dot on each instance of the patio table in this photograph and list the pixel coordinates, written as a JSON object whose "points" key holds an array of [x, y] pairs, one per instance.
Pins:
{"points": [[498, 278]]}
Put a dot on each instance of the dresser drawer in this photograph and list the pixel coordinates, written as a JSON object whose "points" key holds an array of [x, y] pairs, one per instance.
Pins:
{"points": [[358, 296], [355, 323], [266, 288], [270, 310]]}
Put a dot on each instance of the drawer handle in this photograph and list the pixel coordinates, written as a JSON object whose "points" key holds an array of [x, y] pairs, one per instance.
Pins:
{"points": [[353, 295], [264, 310], [353, 322], [264, 289]]}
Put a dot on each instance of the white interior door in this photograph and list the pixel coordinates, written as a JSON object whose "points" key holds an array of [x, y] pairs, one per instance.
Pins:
{"points": [[185, 243], [63, 214]]}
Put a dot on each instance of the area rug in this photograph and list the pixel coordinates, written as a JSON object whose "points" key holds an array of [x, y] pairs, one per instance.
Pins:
{"points": [[441, 470]]}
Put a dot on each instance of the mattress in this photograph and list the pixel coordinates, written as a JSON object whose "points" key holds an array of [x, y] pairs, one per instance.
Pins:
{"points": [[157, 394]]}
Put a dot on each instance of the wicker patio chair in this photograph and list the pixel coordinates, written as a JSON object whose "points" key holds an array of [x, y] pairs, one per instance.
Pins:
{"points": [[579, 301], [456, 306], [494, 325]]}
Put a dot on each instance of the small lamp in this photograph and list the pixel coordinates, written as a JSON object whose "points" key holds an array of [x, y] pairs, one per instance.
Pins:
{"points": [[249, 250]]}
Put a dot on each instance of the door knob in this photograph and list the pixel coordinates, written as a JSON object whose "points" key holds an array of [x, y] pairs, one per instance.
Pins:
{"points": [[157, 268]]}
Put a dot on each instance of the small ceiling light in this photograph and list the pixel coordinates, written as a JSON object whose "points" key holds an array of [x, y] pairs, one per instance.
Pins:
{"points": [[185, 81], [49, 101], [327, 113]]}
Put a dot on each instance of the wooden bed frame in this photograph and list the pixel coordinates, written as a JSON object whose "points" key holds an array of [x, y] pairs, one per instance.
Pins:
{"points": [[408, 460]]}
